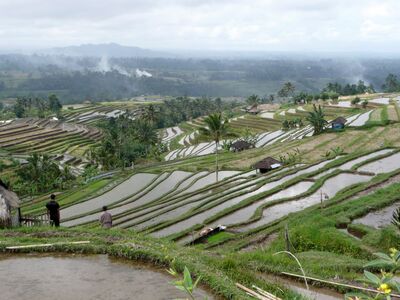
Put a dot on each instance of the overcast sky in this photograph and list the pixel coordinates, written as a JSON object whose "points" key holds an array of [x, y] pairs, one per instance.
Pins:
{"points": [[263, 25]]}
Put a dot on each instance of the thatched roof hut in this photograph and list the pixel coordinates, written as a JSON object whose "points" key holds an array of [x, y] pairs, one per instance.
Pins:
{"points": [[267, 164], [241, 145], [8, 201]]}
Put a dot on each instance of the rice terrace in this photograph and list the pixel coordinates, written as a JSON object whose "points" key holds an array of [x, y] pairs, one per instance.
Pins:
{"points": [[239, 163]]}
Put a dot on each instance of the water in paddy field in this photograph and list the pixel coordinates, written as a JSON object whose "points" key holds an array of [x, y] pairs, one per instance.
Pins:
{"points": [[97, 277], [384, 165], [247, 212], [126, 188], [380, 218], [329, 188]]}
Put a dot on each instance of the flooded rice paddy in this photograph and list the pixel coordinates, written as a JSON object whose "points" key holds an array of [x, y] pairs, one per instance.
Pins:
{"points": [[384, 165], [126, 188], [348, 165], [380, 218], [247, 212], [329, 188], [165, 184], [361, 120], [98, 277]]}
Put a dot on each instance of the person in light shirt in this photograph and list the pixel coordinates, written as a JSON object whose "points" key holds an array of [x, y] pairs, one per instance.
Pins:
{"points": [[105, 218]]}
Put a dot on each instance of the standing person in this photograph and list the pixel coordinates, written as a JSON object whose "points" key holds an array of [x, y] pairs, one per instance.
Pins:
{"points": [[105, 218], [53, 210]]}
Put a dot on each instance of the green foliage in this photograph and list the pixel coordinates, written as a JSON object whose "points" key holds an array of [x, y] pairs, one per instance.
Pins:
{"points": [[291, 157], [249, 137], [89, 172], [291, 124], [391, 84], [385, 283], [253, 100], [287, 90], [317, 119], [396, 218], [355, 101], [183, 109], [37, 107], [124, 142], [226, 145], [333, 152], [348, 89], [186, 284], [41, 174], [217, 128]]}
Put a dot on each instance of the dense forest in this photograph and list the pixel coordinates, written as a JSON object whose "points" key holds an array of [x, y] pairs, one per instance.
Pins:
{"points": [[74, 79]]}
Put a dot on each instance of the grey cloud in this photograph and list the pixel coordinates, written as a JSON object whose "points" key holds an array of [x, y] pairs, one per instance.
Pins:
{"points": [[201, 24]]}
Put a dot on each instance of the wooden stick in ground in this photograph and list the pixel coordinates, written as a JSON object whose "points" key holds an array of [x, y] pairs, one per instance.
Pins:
{"points": [[338, 284]]}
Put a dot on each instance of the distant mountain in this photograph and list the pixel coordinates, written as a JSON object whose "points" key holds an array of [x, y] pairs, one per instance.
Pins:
{"points": [[109, 50]]}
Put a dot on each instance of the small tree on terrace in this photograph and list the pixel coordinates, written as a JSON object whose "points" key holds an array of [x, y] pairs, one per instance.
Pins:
{"points": [[317, 119], [216, 128], [287, 90], [253, 100]]}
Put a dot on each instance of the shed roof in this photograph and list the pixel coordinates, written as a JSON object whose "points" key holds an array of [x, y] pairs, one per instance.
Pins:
{"points": [[340, 120], [268, 163], [241, 145], [10, 198]]}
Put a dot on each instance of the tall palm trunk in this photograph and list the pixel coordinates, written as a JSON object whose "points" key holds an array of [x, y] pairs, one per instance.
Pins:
{"points": [[216, 160]]}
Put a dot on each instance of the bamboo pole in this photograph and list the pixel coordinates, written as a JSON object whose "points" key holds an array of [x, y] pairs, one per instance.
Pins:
{"points": [[338, 284], [46, 245], [260, 294]]}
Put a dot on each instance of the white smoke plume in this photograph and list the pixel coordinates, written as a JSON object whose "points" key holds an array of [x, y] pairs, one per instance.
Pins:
{"points": [[140, 73]]}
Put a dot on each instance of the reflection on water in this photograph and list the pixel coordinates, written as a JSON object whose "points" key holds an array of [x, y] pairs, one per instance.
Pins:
{"points": [[83, 277], [380, 218], [329, 188], [384, 165]]}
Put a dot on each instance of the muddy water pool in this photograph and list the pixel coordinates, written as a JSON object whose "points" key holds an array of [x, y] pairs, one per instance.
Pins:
{"points": [[97, 277]]}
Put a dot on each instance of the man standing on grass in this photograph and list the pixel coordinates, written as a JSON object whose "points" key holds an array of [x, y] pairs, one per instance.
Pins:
{"points": [[53, 211], [105, 218]]}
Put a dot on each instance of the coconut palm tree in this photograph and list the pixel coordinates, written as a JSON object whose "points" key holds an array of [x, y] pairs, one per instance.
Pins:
{"points": [[145, 132], [150, 114], [216, 128], [317, 119], [253, 100]]}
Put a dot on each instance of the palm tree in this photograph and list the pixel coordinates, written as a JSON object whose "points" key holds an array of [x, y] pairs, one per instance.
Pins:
{"points": [[150, 113], [253, 100], [287, 90], [317, 119], [145, 132], [216, 129]]}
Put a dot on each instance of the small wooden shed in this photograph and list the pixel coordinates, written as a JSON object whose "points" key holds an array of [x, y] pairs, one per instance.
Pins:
{"points": [[8, 201], [267, 164], [338, 123], [241, 145], [253, 109]]}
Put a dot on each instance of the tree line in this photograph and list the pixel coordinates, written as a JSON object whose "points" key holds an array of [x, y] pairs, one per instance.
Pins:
{"points": [[39, 107]]}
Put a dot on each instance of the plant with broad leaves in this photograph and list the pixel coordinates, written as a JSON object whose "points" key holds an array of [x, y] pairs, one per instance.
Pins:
{"points": [[385, 284], [396, 218], [186, 284]]}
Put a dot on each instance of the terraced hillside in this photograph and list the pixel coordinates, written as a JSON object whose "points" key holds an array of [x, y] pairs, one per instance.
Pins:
{"points": [[24, 136], [91, 113], [331, 205]]}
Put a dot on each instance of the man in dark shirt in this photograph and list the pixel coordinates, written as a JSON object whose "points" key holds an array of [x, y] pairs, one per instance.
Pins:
{"points": [[53, 210]]}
